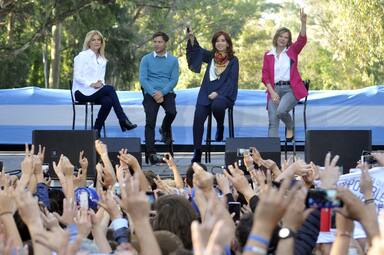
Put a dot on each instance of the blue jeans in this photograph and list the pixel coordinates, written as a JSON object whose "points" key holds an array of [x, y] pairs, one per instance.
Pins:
{"points": [[280, 111]]}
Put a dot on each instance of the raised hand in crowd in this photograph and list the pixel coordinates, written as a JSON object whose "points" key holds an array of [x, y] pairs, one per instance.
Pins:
{"points": [[344, 232], [271, 208], [202, 179], [330, 175], [64, 171], [354, 209], [100, 222], [7, 210], [239, 181], [176, 174], [294, 217], [132, 163], [102, 150], [135, 203], [299, 167], [80, 180], [104, 176], [379, 156], [223, 183]]}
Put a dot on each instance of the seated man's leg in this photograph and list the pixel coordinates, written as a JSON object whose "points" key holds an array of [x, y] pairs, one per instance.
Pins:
{"points": [[151, 109], [169, 106]]}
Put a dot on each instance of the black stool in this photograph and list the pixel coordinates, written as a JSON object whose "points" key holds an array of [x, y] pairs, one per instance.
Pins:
{"points": [[208, 140], [86, 104], [304, 103]]}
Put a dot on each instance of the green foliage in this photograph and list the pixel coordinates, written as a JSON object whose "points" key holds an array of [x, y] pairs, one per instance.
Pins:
{"points": [[345, 47]]}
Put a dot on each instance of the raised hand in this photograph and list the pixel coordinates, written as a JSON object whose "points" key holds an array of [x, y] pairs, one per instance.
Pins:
{"points": [[101, 148], [83, 161], [223, 183], [41, 153], [83, 222], [330, 175], [7, 201], [28, 209], [104, 176], [303, 16], [69, 212], [256, 155], [202, 178], [239, 181], [366, 184], [108, 202]]}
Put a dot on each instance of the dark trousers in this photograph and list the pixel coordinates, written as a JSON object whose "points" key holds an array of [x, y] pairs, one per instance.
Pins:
{"points": [[151, 109], [217, 107], [107, 98]]}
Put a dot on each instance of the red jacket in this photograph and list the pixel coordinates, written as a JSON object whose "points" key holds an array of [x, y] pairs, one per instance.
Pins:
{"points": [[268, 72]]}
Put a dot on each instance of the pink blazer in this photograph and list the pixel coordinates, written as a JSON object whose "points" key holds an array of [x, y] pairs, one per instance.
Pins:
{"points": [[268, 72]]}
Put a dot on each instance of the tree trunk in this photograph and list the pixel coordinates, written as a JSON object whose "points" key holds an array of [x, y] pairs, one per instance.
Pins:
{"points": [[54, 71]]}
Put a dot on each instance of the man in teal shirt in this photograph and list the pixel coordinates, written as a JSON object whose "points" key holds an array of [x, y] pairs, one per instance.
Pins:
{"points": [[159, 73]]}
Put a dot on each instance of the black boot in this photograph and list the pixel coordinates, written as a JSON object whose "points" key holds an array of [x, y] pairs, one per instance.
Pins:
{"points": [[219, 134], [166, 137], [196, 156], [126, 125]]}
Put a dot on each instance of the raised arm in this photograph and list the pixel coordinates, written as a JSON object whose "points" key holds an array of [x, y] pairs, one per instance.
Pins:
{"points": [[195, 54]]}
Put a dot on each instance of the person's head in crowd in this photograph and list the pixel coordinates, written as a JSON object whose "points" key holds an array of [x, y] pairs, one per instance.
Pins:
{"points": [[56, 197], [168, 241], [94, 40], [175, 214], [150, 175], [190, 172], [244, 227], [282, 38], [222, 43], [160, 40]]}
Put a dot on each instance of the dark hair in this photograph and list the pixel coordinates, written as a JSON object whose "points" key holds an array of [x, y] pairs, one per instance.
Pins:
{"points": [[230, 51], [279, 32], [162, 34], [150, 175], [244, 228], [190, 172], [168, 241], [175, 214]]}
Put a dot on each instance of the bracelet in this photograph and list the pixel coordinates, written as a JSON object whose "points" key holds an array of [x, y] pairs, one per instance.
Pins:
{"points": [[254, 249], [259, 239], [369, 201], [344, 233], [5, 213]]}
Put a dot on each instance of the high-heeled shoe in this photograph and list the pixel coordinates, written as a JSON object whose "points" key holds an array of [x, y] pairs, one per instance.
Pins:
{"points": [[289, 138], [219, 134], [126, 125]]}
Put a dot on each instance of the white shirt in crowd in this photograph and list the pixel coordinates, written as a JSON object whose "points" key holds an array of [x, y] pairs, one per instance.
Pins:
{"points": [[282, 65], [88, 68]]}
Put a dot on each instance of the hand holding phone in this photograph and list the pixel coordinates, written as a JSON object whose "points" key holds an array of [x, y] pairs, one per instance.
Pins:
{"points": [[234, 207], [322, 198], [83, 197]]}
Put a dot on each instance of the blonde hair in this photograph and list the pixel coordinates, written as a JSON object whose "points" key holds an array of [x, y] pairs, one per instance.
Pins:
{"points": [[88, 38], [280, 31]]}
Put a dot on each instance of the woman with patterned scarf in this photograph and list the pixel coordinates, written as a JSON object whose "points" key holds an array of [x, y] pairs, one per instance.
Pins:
{"points": [[218, 89]]}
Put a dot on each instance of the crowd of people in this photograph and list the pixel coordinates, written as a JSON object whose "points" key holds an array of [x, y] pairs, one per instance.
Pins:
{"points": [[130, 211]]}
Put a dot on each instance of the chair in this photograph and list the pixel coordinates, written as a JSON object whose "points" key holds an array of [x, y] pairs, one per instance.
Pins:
{"points": [[208, 140], [304, 103], [86, 104]]}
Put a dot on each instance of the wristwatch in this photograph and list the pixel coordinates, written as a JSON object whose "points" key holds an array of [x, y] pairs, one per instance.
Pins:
{"points": [[285, 233]]}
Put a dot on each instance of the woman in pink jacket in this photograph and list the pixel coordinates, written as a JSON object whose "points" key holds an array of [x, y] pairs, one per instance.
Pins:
{"points": [[282, 78]]}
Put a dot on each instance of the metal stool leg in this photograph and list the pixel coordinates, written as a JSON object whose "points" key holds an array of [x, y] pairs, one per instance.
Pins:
{"points": [[91, 115], [294, 136], [208, 139], [86, 116], [230, 123]]}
